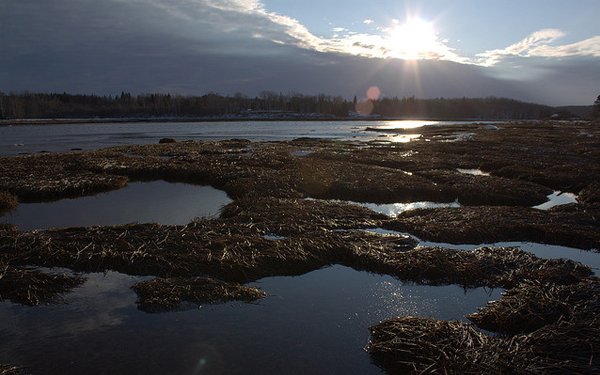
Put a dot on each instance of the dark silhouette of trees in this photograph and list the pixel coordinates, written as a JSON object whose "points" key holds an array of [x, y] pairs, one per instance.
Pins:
{"points": [[53, 105], [596, 111]]}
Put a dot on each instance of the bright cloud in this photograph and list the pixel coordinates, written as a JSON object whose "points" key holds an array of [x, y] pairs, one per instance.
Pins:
{"points": [[587, 47], [538, 44], [250, 17]]}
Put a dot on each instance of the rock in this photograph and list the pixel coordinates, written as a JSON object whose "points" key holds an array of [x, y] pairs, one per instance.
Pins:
{"points": [[167, 140]]}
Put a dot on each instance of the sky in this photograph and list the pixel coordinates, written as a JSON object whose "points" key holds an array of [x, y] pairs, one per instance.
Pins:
{"points": [[539, 51]]}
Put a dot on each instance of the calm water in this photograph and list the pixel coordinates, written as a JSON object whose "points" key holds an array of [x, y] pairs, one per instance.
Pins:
{"points": [[300, 328], [55, 138], [138, 202], [395, 209], [557, 198]]}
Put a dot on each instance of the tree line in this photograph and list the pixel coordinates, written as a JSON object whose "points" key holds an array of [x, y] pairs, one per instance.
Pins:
{"points": [[54, 105]]}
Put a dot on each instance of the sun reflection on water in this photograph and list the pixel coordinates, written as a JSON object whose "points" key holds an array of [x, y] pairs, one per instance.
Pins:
{"points": [[404, 138], [405, 124]]}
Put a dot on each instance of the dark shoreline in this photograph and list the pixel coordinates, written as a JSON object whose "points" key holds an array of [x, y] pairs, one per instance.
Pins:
{"points": [[130, 120]]}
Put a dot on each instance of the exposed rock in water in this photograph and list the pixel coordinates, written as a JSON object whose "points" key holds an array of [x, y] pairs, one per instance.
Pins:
{"points": [[167, 140]]}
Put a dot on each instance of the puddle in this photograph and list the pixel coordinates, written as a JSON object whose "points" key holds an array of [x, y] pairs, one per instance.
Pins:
{"points": [[301, 327], [556, 199], [301, 153], [544, 251], [141, 202], [404, 138], [394, 209], [473, 172], [273, 237]]}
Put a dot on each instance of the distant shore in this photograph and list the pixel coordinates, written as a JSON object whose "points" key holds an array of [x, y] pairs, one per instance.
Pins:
{"points": [[127, 120]]}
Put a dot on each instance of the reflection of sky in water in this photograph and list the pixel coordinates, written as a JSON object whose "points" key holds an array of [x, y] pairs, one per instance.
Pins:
{"points": [[301, 152], [394, 209], [556, 199], [403, 138], [142, 202], [473, 172], [314, 323], [57, 138]]}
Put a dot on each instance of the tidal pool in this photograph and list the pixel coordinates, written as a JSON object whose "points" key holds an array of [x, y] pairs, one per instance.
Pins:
{"points": [[139, 202], [557, 198], [394, 209], [300, 327], [473, 172]]}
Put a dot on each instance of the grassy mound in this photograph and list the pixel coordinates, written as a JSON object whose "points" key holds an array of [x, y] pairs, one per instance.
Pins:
{"points": [[160, 295]]}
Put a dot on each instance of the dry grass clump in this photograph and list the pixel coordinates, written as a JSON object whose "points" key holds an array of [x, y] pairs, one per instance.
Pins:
{"points": [[205, 247], [569, 226], [590, 194], [534, 304], [8, 201], [488, 190], [491, 267], [429, 346], [569, 346], [332, 179], [240, 252], [222, 249], [10, 370], [31, 287], [160, 295], [53, 176], [292, 216]]}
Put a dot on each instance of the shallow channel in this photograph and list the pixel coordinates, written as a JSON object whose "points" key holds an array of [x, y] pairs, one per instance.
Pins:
{"points": [[300, 327], [139, 202]]}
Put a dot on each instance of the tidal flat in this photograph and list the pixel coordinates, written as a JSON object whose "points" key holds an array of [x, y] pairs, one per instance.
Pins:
{"points": [[287, 210]]}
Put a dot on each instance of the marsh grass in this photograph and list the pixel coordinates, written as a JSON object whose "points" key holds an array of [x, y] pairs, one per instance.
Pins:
{"points": [[534, 304], [548, 316], [10, 370], [8, 202], [32, 287], [159, 295], [554, 336]]}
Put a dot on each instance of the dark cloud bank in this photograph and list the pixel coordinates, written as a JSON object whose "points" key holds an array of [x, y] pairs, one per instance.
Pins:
{"points": [[105, 47]]}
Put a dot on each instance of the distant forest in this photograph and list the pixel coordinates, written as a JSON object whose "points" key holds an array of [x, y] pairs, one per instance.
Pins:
{"points": [[37, 105]]}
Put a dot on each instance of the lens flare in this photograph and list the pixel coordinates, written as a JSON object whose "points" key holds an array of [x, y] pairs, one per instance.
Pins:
{"points": [[373, 93]]}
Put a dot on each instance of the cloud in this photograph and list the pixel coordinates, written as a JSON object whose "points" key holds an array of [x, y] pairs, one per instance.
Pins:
{"points": [[228, 46], [368, 21], [587, 47], [538, 44]]}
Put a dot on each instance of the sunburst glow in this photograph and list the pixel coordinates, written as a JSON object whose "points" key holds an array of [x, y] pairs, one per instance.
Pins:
{"points": [[414, 39]]}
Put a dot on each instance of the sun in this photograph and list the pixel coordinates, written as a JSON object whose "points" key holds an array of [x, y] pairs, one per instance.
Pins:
{"points": [[413, 40]]}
